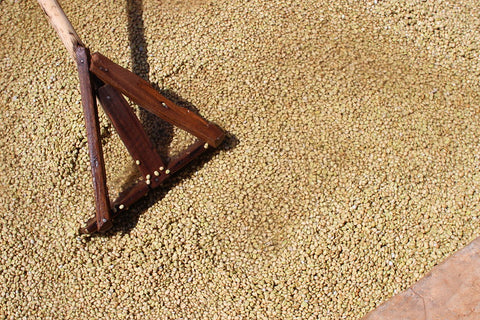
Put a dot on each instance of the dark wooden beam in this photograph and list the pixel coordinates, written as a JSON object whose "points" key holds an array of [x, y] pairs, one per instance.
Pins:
{"points": [[143, 94], [102, 203]]}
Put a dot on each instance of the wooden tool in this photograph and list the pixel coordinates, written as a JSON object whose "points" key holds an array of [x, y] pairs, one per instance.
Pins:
{"points": [[103, 79]]}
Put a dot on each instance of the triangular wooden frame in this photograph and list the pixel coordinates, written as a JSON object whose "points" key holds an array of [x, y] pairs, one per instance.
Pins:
{"points": [[102, 78]]}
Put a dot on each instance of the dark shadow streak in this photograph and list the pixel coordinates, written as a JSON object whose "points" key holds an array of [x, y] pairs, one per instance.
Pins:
{"points": [[159, 131]]}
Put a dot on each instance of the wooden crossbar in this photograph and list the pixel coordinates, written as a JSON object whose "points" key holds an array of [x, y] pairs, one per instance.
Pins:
{"points": [[143, 94]]}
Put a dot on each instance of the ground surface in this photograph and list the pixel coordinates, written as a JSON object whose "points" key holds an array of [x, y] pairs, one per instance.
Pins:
{"points": [[351, 166], [450, 291]]}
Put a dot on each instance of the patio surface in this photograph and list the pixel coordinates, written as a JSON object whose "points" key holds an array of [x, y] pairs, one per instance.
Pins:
{"points": [[450, 291]]}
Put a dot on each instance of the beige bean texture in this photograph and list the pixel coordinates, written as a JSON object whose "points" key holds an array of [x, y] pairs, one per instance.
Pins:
{"points": [[351, 165]]}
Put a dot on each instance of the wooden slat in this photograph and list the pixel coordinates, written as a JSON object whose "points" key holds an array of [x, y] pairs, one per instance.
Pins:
{"points": [[192, 152], [123, 202], [102, 204], [130, 130], [142, 93], [182, 159]]}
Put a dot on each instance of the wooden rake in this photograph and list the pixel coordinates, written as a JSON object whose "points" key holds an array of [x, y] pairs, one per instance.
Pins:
{"points": [[103, 79]]}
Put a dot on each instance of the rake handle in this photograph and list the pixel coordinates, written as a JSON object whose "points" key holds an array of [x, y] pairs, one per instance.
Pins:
{"points": [[62, 25]]}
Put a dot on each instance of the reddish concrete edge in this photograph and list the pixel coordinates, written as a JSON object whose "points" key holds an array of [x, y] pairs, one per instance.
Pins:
{"points": [[450, 291]]}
